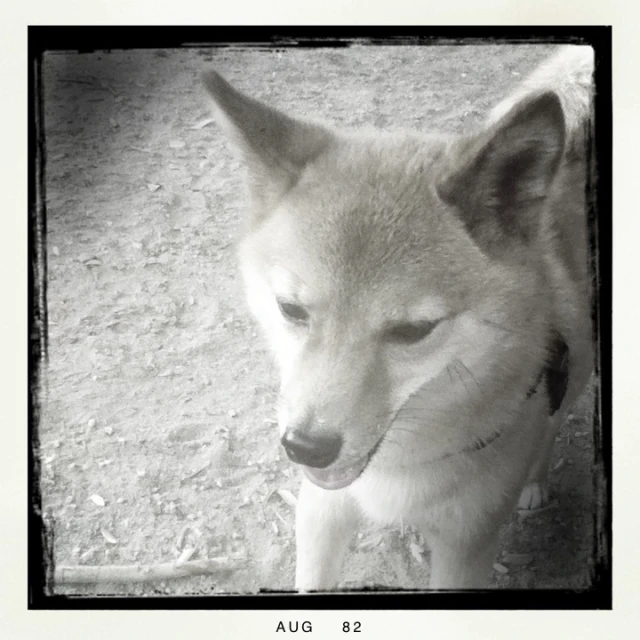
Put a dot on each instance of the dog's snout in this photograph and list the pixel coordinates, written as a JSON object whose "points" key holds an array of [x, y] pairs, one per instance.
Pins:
{"points": [[312, 450]]}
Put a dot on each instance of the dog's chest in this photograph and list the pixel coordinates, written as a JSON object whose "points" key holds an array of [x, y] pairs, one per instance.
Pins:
{"points": [[392, 498], [476, 483]]}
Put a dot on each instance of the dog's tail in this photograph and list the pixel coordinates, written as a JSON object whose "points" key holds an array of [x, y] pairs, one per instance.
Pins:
{"points": [[569, 74]]}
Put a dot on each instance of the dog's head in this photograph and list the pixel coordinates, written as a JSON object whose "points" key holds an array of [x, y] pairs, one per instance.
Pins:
{"points": [[395, 275]]}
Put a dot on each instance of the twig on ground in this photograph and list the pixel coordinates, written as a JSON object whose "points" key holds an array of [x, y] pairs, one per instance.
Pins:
{"points": [[525, 513], [92, 80], [142, 573], [195, 473]]}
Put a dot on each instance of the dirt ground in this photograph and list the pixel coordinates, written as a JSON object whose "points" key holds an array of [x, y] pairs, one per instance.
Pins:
{"points": [[159, 433]]}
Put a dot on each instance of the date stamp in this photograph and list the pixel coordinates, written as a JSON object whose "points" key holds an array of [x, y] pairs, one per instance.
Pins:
{"points": [[305, 626]]}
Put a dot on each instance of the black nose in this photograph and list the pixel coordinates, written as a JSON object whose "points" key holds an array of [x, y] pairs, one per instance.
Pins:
{"points": [[311, 450]]}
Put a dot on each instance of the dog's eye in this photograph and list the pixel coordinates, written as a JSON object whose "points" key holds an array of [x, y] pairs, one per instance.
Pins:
{"points": [[293, 312], [408, 332]]}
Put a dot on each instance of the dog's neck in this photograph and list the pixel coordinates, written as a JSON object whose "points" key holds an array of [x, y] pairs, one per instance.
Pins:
{"points": [[554, 371]]}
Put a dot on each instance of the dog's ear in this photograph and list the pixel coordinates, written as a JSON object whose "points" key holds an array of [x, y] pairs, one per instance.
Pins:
{"points": [[275, 146], [499, 180]]}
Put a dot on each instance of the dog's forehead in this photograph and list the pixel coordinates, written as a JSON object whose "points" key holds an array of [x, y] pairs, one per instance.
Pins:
{"points": [[366, 230], [368, 216]]}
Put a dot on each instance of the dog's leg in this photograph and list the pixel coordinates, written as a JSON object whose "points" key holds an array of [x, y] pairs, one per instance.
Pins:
{"points": [[535, 493], [325, 523], [462, 565]]}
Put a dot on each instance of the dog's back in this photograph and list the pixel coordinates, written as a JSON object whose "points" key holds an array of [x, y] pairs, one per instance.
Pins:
{"points": [[569, 74]]}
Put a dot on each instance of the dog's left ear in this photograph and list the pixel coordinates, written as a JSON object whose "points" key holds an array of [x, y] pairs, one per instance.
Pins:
{"points": [[275, 146], [499, 180]]}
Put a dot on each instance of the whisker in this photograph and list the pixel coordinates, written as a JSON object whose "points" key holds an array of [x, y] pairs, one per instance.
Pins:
{"points": [[455, 368], [450, 376], [502, 327], [464, 366]]}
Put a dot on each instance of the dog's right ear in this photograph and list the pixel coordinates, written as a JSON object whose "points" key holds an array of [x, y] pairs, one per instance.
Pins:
{"points": [[500, 179], [275, 146]]}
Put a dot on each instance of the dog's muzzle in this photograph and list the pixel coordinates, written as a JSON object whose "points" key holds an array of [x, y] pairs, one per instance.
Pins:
{"points": [[316, 453]]}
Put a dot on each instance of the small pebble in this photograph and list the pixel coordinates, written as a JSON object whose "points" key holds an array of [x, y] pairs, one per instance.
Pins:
{"points": [[416, 552], [91, 423], [500, 568], [108, 430], [108, 536], [97, 500]]}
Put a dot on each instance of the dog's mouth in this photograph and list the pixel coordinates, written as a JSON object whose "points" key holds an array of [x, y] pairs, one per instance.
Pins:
{"points": [[340, 477], [336, 478]]}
